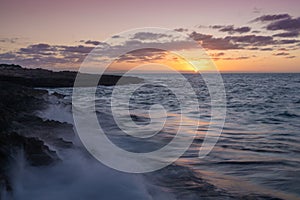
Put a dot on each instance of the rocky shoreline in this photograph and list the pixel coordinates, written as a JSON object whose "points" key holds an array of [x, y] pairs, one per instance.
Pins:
{"points": [[17, 105], [21, 130], [49, 79]]}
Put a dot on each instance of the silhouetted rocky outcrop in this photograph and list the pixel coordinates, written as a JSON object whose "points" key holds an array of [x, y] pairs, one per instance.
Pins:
{"points": [[50, 79]]}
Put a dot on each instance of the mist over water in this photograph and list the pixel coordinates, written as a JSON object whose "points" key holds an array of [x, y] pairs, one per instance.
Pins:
{"points": [[77, 177]]}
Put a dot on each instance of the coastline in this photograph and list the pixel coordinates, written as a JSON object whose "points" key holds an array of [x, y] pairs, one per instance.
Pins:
{"points": [[27, 135], [23, 131], [49, 79], [31, 143]]}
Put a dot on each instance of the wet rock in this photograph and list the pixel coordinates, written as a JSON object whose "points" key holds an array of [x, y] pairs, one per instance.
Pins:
{"points": [[60, 96], [17, 103], [35, 151], [16, 99]]}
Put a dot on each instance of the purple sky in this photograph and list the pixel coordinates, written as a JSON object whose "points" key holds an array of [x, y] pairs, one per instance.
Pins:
{"points": [[24, 23]]}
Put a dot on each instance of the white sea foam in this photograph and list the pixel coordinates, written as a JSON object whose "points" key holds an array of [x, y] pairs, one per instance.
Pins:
{"points": [[57, 110], [78, 176]]}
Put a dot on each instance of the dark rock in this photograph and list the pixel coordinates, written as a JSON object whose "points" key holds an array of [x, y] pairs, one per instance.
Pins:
{"points": [[35, 151], [16, 99], [21, 130], [55, 133], [50, 79], [17, 103], [60, 96], [10, 66]]}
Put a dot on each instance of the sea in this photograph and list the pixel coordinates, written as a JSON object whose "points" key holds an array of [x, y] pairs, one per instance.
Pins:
{"points": [[256, 156]]}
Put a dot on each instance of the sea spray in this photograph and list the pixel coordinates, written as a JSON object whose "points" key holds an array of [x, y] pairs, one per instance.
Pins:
{"points": [[77, 176]]}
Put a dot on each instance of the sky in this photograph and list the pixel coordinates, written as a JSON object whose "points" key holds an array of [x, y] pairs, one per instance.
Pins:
{"points": [[238, 36]]}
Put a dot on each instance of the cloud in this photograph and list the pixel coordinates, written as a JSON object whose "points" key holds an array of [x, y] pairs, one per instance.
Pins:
{"points": [[266, 49], [290, 57], [231, 29], [288, 41], [181, 29], [202, 26], [281, 54], [282, 49], [236, 58], [7, 56], [288, 24], [41, 49], [47, 49], [253, 48], [266, 18], [209, 42], [217, 26], [34, 60], [46, 55], [76, 49], [199, 36], [254, 40], [143, 55], [93, 42], [217, 54], [149, 36], [8, 40], [115, 36], [36, 47], [220, 56], [40, 46], [219, 44], [287, 34]]}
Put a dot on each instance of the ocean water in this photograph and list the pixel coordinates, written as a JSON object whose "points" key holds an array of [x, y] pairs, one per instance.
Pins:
{"points": [[257, 155]]}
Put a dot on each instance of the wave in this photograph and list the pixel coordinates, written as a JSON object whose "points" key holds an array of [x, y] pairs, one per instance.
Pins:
{"points": [[288, 115], [78, 175], [57, 109]]}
